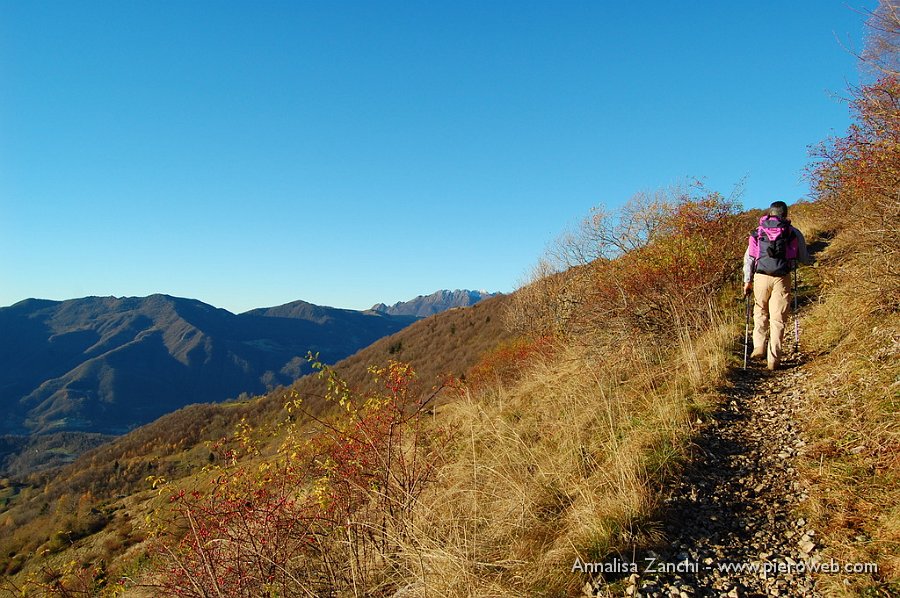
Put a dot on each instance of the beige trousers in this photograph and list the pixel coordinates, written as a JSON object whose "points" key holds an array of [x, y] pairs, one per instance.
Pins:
{"points": [[770, 312]]}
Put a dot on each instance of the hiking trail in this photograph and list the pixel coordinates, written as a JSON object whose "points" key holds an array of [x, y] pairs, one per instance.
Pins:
{"points": [[729, 519]]}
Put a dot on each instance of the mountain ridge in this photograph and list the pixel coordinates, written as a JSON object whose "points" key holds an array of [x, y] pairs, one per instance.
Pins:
{"points": [[107, 364], [441, 300]]}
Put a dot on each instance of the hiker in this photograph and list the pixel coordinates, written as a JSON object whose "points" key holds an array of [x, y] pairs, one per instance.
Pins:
{"points": [[773, 251]]}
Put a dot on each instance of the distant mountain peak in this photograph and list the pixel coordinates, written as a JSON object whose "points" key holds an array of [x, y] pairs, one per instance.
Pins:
{"points": [[428, 305]]}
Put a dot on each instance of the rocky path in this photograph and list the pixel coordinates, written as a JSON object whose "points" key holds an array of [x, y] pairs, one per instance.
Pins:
{"points": [[729, 521]]}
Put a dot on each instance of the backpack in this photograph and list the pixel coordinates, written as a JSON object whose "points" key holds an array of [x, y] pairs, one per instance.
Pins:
{"points": [[774, 246]]}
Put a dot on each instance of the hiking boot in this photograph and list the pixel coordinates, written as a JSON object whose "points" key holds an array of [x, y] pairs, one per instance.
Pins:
{"points": [[773, 364], [758, 354]]}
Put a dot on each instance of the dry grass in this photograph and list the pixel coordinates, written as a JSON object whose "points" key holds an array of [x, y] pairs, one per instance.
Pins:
{"points": [[563, 463], [566, 460], [854, 464], [852, 416]]}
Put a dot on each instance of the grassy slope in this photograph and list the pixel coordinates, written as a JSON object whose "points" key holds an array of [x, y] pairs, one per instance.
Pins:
{"points": [[852, 414], [562, 463], [569, 459], [558, 453]]}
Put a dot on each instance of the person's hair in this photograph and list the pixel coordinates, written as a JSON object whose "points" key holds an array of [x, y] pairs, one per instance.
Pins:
{"points": [[778, 208]]}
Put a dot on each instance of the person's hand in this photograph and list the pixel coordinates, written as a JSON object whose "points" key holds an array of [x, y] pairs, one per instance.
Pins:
{"points": [[748, 288]]}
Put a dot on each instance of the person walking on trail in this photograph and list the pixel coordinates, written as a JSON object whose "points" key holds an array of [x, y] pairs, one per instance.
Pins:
{"points": [[773, 251]]}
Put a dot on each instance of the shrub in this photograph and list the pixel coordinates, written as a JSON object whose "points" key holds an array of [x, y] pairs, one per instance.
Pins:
{"points": [[323, 514], [666, 282], [659, 266], [506, 362]]}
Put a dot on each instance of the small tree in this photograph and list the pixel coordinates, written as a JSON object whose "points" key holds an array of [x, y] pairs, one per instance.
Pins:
{"points": [[882, 48]]}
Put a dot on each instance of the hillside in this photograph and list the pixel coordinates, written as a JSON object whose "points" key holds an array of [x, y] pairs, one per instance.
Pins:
{"points": [[612, 425], [114, 475], [110, 364], [427, 305]]}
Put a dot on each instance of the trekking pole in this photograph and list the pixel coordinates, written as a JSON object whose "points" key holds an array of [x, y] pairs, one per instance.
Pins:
{"points": [[796, 320], [746, 326]]}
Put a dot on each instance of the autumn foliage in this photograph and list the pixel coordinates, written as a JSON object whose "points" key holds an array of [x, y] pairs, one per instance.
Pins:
{"points": [[506, 362], [668, 282], [656, 266], [857, 181], [323, 513]]}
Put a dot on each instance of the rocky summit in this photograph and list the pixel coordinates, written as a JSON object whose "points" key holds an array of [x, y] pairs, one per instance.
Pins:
{"points": [[427, 305]]}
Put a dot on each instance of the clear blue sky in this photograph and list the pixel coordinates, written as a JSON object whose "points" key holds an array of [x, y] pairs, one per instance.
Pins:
{"points": [[251, 153]]}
